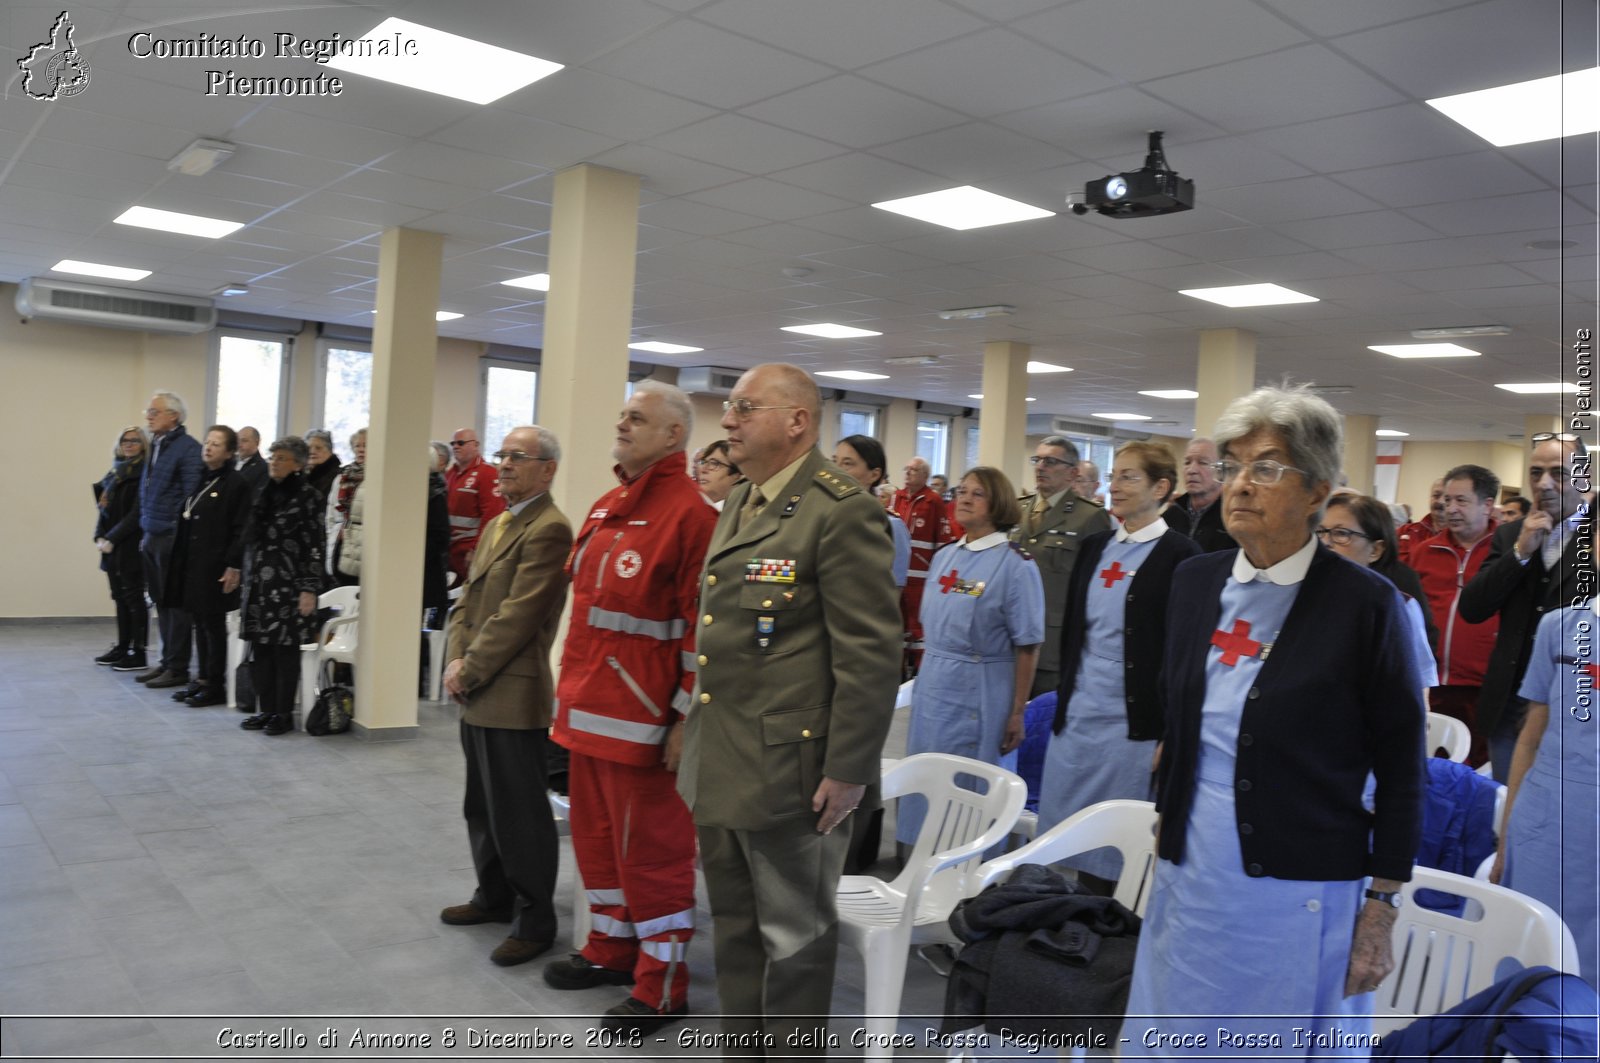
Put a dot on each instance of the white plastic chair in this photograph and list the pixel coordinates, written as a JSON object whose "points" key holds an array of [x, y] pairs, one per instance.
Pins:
{"points": [[561, 809], [437, 641], [337, 641], [235, 658], [882, 920], [1450, 733], [1127, 826], [1441, 959]]}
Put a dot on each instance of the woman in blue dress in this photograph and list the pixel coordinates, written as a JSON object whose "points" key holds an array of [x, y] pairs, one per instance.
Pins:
{"points": [[1548, 847], [1108, 711], [983, 621], [1287, 680]]}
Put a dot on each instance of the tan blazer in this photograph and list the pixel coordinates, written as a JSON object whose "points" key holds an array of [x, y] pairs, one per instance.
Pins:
{"points": [[506, 620], [769, 720], [1054, 545]]}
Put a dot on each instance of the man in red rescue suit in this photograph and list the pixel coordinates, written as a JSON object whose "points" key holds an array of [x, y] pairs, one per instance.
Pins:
{"points": [[923, 512], [473, 499], [627, 671]]}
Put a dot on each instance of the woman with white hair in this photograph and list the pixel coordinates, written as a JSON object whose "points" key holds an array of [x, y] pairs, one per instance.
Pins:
{"points": [[1286, 680]]}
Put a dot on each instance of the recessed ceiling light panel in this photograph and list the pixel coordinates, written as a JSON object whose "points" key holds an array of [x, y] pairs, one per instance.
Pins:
{"points": [[96, 269], [1120, 416], [829, 331], [1047, 367], [539, 282], [169, 221], [1391, 433], [1172, 393], [1237, 295], [851, 374], [421, 57], [447, 315], [1424, 350], [965, 207], [1562, 388], [1546, 108], [658, 347]]}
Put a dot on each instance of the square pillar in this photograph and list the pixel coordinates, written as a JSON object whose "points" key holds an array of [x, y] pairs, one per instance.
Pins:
{"points": [[1003, 431], [1225, 371], [1361, 452]]}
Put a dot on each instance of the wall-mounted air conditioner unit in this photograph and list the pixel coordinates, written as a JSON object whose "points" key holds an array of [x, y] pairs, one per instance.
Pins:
{"points": [[708, 380], [1046, 424], [99, 304]]}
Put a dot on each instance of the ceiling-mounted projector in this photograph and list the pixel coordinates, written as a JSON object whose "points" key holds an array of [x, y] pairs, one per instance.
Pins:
{"points": [[1155, 189]]}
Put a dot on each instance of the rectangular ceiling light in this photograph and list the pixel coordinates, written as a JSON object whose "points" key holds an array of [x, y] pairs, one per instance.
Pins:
{"points": [[539, 282], [1391, 433], [1424, 350], [1046, 367], [441, 62], [1172, 393], [1249, 295], [852, 374], [1120, 416], [829, 331], [447, 315], [657, 347], [169, 221], [1030, 397], [1540, 389], [963, 208], [95, 269], [1543, 109]]}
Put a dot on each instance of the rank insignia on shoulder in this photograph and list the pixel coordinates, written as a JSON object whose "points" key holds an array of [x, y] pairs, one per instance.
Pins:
{"points": [[768, 570], [1018, 548], [836, 485]]}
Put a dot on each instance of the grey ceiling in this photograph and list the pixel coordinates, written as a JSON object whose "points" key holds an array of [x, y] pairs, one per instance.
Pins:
{"points": [[763, 129]]}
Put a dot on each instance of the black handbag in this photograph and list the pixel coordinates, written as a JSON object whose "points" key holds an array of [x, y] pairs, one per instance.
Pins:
{"points": [[244, 681], [334, 708]]}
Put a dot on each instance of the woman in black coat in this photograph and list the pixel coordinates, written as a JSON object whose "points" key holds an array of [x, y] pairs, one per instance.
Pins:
{"points": [[207, 557], [283, 556], [436, 554], [117, 535], [322, 465]]}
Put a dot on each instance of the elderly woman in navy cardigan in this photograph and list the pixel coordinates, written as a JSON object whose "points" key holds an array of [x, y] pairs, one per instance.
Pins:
{"points": [[1286, 682], [1108, 711]]}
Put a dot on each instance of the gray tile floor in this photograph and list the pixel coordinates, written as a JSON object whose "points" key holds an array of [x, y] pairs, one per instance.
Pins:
{"points": [[172, 875]]}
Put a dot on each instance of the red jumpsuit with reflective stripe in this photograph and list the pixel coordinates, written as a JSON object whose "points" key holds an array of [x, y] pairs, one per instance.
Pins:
{"points": [[627, 669], [924, 516], [473, 500]]}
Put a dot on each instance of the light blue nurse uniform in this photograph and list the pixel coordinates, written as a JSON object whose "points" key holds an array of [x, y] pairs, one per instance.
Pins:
{"points": [[983, 600], [1552, 832], [1220, 950]]}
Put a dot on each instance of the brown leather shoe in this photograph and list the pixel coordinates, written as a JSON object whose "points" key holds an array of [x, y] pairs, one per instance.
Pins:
{"points": [[513, 951], [470, 914]]}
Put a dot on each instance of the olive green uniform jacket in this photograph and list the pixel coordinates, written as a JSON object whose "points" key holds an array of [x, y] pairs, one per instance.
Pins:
{"points": [[1054, 544], [796, 680]]}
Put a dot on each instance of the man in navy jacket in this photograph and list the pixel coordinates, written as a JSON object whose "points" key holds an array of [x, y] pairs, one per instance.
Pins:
{"points": [[171, 477]]}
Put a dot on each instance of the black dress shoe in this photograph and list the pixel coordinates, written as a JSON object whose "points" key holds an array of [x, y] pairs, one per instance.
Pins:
{"points": [[257, 722], [205, 697], [148, 674], [132, 661], [634, 1014], [112, 656], [186, 693], [278, 724], [165, 680], [575, 972]]}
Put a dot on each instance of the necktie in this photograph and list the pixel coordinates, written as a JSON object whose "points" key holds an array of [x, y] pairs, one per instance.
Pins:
{"points": [[752, 507], [1036, 512], [490, 541]]}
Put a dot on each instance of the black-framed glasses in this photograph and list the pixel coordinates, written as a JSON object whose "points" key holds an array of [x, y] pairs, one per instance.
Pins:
{"points": [[131, 439], [712, 463], [516, 456], [1341, 536], [1542, 437], [743, 408], [461, 442], [1047, 461], [1263, 473]]}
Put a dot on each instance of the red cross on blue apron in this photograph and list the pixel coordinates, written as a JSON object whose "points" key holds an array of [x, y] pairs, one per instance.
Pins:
{"points": [[1236, 643]]}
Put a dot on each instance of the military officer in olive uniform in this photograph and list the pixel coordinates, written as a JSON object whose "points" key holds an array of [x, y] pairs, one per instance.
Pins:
{"points": [[798, 652], [1055, 521]]}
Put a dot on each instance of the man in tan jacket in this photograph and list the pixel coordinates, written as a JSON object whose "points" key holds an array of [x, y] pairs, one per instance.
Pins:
{"points": [[499, 673], [798, 640]]}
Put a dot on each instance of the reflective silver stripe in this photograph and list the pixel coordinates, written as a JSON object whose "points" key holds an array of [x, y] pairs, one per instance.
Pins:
{"points": [[611, 620], [649, 928], [611, 928], [629, 682], [605, 897], [680, 701], [665, 951], [464, 522], [691, 663], [644, 734], [926, 544]]}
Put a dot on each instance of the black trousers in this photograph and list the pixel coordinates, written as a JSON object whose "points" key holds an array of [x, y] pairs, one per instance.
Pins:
{"points": [[276, 671], [510, 828], [133, 617], [173, 622], [211, 648]]}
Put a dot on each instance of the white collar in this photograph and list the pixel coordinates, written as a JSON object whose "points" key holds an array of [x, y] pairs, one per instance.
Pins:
{"points": [[986, 542], [1285, 573], [1154, 530]]}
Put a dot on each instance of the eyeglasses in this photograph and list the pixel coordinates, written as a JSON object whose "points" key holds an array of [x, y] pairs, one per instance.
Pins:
{"points": [[516, 456], [1541, 437], [461, 442], [1129, 478], [743, 408], [1341, 536], [712, 463], [130, 439], [1262, 473], [151, 411], [1047, 461]]}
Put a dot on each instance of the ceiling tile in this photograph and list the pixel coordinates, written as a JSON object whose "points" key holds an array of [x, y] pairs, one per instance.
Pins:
{"points": [[844, 33], [608, 106], [1404, 133], [741, 143], [1347, 16], [974, 153], [706, 64], [1314, 83], [989, 73], [1442, 180], [529, 140], [1276, 201], [1498, 214], [851, 111], [769, 199], [317, 137]]}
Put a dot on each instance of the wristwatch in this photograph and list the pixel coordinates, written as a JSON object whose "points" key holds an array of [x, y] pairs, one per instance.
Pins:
{"points": [[1384, 897]]}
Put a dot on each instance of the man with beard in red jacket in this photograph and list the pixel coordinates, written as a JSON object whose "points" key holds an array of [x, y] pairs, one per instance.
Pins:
{"points": [[627, 671]]}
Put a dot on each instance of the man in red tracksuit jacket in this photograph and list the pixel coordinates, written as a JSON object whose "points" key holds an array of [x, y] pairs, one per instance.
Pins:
{"points": [[627, 671], [924, 514]]}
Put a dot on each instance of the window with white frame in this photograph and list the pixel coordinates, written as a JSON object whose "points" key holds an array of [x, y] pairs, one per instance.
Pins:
{"points": [[856, 419], [972, 444], [250, 374], [933, 442], [345, 400], [510, 399]]}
